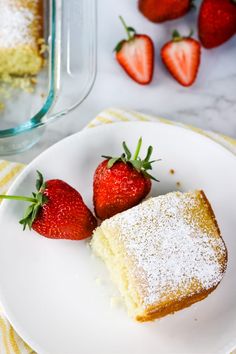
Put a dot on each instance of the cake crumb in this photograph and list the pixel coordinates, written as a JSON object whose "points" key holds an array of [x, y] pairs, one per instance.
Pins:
{"points": [[172, 171], [43, 46], [178, 184]]}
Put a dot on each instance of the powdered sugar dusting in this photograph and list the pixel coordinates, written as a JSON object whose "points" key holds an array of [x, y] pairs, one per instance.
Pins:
{"points": [[174, 243], [15, 24]]}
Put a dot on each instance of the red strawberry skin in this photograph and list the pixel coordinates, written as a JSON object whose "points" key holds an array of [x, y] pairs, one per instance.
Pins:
{"points": [[136, 56], [64, 215], [118, 188], [216, 22], [163, 10], [182, 59]]}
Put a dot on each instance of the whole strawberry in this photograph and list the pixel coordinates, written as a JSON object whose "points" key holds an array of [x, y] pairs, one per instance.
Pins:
{"points": [[121, 182], [216, 22], [57, 211], [136, 55], [164, 10], [181, 56]]}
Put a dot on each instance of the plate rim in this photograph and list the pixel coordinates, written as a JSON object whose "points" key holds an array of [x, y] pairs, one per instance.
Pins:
{"points": [[102, 126]]}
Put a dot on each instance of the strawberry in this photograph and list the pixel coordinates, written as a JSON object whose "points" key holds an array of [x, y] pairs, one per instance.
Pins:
{"points": [[181, 57], [136, 55], [57, 211], [121, 182], [164, 10], [216, 22]]}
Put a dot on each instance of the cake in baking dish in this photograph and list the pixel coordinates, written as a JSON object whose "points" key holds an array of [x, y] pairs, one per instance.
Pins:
{"points": [[21, 28], [164, 254]]}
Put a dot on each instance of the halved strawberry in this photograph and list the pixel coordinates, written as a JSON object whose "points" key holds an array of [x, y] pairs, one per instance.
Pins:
{"points": [[181, 57], [136, 55]]}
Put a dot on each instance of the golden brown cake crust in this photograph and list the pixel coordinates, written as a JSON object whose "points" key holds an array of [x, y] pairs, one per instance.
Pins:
{"points": [[225, 259], [154, 313]]}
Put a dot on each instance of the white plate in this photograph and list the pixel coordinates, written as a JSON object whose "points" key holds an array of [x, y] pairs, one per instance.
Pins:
{"points": [[48, 288]]}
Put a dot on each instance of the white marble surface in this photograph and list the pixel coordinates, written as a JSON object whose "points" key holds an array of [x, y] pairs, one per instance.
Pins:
{"points": [[210, 103]]}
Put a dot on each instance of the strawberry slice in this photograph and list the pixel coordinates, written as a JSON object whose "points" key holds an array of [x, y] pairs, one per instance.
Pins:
{"points": [[181, 57], [136, 55]]}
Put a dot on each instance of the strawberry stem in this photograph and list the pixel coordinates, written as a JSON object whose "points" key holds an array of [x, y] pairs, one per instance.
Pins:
{"points": [[129, 30], [38, 200], [137, 151], [125, 27], [17, 197], [130, 33]]}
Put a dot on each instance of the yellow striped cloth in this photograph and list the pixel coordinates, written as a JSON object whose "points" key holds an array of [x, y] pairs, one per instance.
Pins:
{"points": [[10, 342]]}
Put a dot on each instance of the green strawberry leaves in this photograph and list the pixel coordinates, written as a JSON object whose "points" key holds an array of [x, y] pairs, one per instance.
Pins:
{"points": [[112, 161], [119, 46], [176, 36], [39, 181], [130, 34], [128, 153], [39, 199], [142, 166]]}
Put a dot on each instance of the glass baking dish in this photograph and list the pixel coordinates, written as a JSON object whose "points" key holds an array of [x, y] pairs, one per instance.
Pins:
{"points": [[66, 80]]}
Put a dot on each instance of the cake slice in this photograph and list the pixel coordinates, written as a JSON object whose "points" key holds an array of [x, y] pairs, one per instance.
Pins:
{"points": [[21, 28], [164, 254]]}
